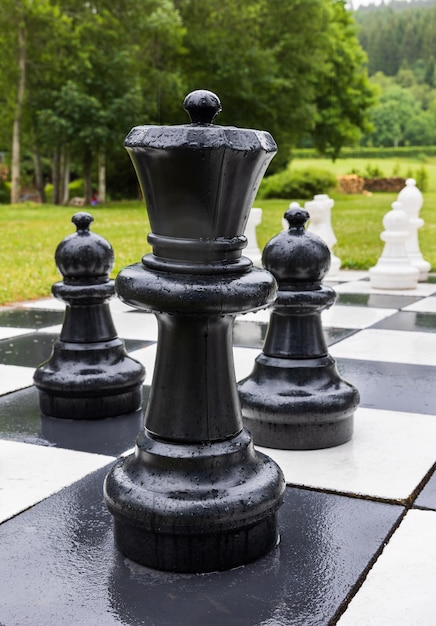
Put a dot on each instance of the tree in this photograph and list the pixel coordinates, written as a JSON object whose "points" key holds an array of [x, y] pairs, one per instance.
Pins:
{"points": [[30, 34], [281, 65], [420, 130], [344, 94], [391, 116]]}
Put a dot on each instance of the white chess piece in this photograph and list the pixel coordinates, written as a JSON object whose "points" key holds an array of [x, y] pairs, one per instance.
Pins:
{"points": [[394, 269], [285, 223], [252, 251], [412, 200], [320, 224]]}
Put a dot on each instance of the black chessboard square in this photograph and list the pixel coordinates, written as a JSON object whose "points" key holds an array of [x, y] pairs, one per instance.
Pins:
{"points": [[409, 321], [427, 497], [32, 349], [21, 420], [30, 318], [403, 387], [60, 559], [377, 300]]}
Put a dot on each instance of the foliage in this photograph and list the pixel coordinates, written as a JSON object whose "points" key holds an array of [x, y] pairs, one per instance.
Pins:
{"points": [[343, 90], [94, 69], [5, 189], [295, 183], [399, 41], [399, 35]]}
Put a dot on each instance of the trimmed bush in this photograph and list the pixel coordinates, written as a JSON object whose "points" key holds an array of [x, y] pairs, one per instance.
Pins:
{"points": [[302, 184]]}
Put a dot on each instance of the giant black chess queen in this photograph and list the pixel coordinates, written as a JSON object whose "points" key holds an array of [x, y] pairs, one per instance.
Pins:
{"points": [[195, 496]]}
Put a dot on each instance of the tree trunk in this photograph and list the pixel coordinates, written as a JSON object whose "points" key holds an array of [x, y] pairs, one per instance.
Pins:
{"points": [[56, 176], [102, 175], [16, 131], [87, 176], [39, 177], [65, 176]]}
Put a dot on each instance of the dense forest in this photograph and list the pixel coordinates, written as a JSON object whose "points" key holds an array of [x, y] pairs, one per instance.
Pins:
{"points": [[399, 34], [76, 75], [399, 39]]}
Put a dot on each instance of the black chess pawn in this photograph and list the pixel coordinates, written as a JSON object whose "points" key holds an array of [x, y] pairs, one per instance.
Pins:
{"points": [[295, 398], [195, 496], [89, 374]]}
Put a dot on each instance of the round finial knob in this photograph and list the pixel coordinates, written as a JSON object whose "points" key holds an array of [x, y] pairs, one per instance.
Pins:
{"points": [[202, 106], [82, 221], [296, 216]]}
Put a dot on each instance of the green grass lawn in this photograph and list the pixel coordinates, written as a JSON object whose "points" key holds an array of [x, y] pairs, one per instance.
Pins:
{"points": [[32, 232]]}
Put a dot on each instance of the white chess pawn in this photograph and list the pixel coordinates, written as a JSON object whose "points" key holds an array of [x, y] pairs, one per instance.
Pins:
{"points": [[412, 200], [252, 250], [320, 224], [394, 269], [285, 223]]}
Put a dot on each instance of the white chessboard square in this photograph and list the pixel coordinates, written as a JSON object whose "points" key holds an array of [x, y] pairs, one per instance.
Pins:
{"points": [[354, 317], [364, 287], [261, 317], [48, 304], [6, 332], [147, 356], [13, 377], [426, 305], [388, 456], [400, 587], [30, 473], [136, 325], [346, 276], [393, 346]]}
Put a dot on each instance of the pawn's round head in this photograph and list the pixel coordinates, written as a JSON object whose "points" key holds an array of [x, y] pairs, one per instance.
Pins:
{"points": [[84, 257], [296, 256]]}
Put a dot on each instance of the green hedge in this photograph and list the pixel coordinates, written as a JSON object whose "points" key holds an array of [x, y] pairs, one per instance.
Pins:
{"points": [[301, 184], [411, 152]]}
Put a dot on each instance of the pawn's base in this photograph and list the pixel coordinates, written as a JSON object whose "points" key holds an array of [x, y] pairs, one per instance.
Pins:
{"points": [[393, 273], [302, 436], [208, 552], [194, 507], [90, 408], [89, 381], [297, 404]]}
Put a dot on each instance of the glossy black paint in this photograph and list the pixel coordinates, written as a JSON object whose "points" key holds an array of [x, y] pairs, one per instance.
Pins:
{"points": [[295, 397], [89, 374], [59, 566], [195, 496]]}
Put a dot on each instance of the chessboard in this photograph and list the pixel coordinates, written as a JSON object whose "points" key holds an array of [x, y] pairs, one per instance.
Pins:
{"points": [[357, 525]]}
